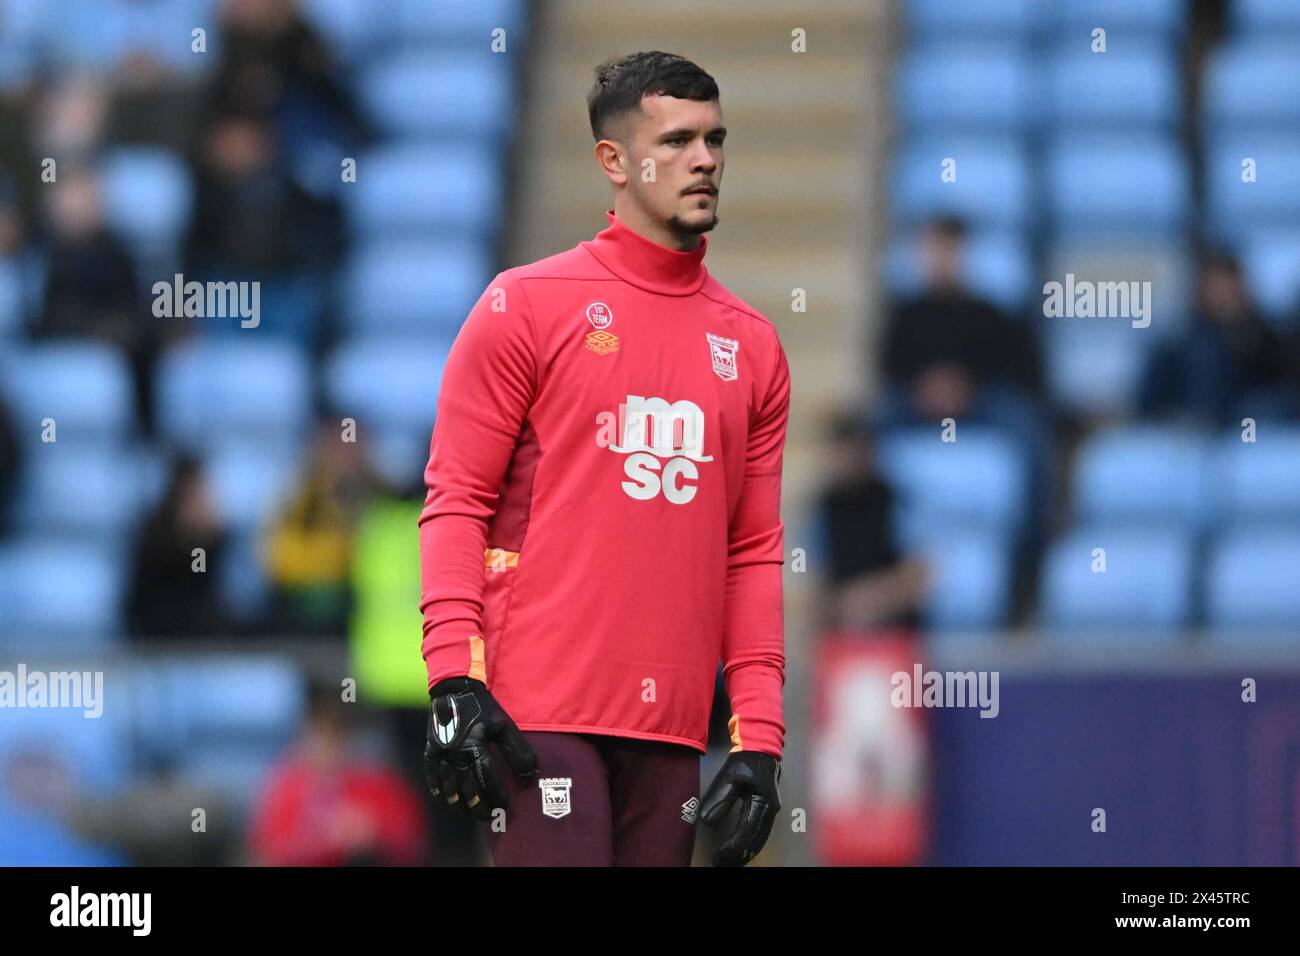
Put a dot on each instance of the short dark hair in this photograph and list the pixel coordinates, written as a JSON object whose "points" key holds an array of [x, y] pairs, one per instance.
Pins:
{"points": [[621, 82]]}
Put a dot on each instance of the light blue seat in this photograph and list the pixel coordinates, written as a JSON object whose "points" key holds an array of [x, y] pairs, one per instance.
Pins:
{"points": [[1252, 84], [1095, 366], [1239, 210], [1259, 481], [85, 387], [389, 384], [1265, 18], [992, 188], [1271, 261], [1132, 184], [250, 481], [25, 24], [57, 593], [238, 386], [148, 196], [453, 189], [1120, 18], [1142, 476], [1251, 584], [459, 26], [996, 264], [979, 481], [950, 86], [241, 711], [94, 750], [96, 490], [1143, 595], [420, 94], [12, 307], [1137, 87], [351, 28], [415, 287], [949, 18], [970, 580]]}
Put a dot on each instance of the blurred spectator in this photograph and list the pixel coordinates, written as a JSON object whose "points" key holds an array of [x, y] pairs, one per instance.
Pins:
{"points": [[168, 597], [309, 546], [10, 464], [273, 65], [72, 119], [868, 583], [251, 218], [91, 285], [947, 351], [1227, 364], [327, 804]]}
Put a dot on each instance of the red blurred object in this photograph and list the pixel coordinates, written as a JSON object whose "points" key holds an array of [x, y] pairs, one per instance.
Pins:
{"points": [[340, 816], [871, 760]]}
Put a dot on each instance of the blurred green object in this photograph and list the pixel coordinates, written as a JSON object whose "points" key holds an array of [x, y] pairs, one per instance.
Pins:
{"points": [[384, 633]]}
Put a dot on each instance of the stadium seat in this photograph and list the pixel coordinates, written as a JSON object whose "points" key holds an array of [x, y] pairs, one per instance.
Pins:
{"points": [[1123, 19], [947, 18], [1095, 366], [424, 288], [1143, 595], [1265, 18], [97, 490], [251, 480], [1142, 476], [992, 186], [1131, 184], [147, 196], [449, 191], [11, 298], [1138, 88], [1251, 585], [233, 387], [949, 87], [85, 387], [1238, 210], [69, 591], [95, 751], [977, 482], [465, 95], [970, 580], [416, 21], [1271, 261], [1252, 85], [1259, 482], [997, 264]]}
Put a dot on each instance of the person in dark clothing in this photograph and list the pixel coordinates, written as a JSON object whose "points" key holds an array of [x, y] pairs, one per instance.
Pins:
{"points": [[10, 465], [1227, 364], [946, 346], [169, 597], [868, 583], [91, 285]]}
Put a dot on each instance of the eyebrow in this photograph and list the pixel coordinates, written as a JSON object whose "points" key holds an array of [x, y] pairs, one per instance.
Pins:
{"points": [[690, 131]]}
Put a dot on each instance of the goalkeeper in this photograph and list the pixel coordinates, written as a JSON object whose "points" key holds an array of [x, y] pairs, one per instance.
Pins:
{"points": [[602, 520]]}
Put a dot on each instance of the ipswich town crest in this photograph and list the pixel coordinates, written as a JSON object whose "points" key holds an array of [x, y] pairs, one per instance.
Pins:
{"points": [[723, 353], [556, 801]]}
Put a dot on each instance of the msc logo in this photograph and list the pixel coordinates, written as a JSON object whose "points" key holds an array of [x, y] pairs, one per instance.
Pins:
{"points": [[663, 444]]}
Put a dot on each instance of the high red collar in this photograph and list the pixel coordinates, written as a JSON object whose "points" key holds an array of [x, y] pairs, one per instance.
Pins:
{"points": [[645, 263]]}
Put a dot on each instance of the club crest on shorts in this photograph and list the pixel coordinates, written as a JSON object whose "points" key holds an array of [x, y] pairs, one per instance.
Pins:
{"points": [[723, 353], [599, 315], [556, 799]]}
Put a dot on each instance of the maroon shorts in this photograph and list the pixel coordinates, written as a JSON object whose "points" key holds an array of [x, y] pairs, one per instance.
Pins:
{"points": [[600, 801]]}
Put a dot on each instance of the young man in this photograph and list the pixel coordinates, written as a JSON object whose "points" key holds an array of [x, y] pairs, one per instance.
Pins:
{"points": [[602, 524]]}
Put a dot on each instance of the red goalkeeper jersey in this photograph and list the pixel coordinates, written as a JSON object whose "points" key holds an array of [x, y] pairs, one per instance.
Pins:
{"points": [[602, 524]]}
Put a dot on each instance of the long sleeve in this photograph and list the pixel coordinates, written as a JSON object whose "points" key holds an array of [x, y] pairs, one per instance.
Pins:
{"points": [[488, 386], [753, 646]]}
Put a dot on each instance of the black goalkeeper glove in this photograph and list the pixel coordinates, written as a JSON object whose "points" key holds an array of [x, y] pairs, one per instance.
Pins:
{"points": [[464, 718], [749, 778]]}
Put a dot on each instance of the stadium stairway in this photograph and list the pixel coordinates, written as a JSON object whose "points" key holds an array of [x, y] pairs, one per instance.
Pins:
{"points": [[802, 153]]}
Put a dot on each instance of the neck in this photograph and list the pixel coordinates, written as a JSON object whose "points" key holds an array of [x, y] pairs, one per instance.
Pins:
{"points": [[643, 224]]}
